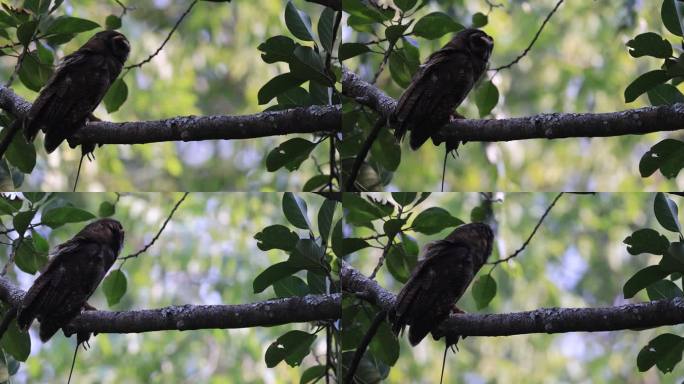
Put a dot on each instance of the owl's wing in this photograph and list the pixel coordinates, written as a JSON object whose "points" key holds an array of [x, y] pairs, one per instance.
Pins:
{"points": [[59, 292], [67, 100], [421, 88], [428, 296]]}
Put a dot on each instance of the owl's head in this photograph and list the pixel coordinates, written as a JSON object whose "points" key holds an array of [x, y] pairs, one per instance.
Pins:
{"points": [[476, 235], [476, 41], [107, 231], [115, 43]]}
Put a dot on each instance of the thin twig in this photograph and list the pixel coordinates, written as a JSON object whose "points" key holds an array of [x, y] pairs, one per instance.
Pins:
{"points": [[358, 161], [536, 36], [148, 245], [382, 258], [524, 245], [363, 345], [168, 37]]}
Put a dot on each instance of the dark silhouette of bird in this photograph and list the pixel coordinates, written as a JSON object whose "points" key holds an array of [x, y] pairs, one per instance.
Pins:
{"points": [[76, 88], [77, 267], [440, 279], [440, 85]]}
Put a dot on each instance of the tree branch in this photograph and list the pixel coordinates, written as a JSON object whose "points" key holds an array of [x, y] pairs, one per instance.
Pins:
{"points": [[544, 126], [186, 317], [311, 119], [543, 320]]}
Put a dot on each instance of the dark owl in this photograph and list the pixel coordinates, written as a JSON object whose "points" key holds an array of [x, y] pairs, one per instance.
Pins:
{"points": [[441, 84], [440, 279], [70, 277], [76, 88]]}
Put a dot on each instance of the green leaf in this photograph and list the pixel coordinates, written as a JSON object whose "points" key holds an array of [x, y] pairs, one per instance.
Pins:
{"points": [[399, 263], [325, 218], [479, 20], [34, 197], [295, 209], [647, 241], [316, 283], [309, 66], [308, 255], [56, 217], [360, 212], [277, 48], [22, 220], [650, 44], [403, 63], [33, 73], [486, 97], [312, 374], [25, 31], [666, 212], [276, 237], [386, 150], [325, 28], [298, 23], [435, 25], [668, 13], [21, 154], [293, 97], [644, 83], [484, 290], [116, 95], [114, 286], [349, 50], [289, 154], [69, 24], [291, 347], [664, 94], [106, 209], [404, 198], [434, 220], [337, 241], [28, 258], [395, 31], [290, 286], [665, 351], [385, 345], [405, 5], [643, 279], [16, 343], [393, 226], [663, 289], [316, 183], [667, 155], [276, 86], [351, 245], [113, 22], [272, 274], [9, 206]]}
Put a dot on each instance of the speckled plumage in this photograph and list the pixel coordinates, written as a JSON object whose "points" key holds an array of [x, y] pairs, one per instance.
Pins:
{"points": [[440, 279], [76, 88], [77, 267], [441, 84]]}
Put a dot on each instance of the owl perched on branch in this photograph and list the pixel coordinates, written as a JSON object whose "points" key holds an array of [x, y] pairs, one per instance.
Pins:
{"points": [[70, 277], [441, 84], [440, 279], [76, 88]]}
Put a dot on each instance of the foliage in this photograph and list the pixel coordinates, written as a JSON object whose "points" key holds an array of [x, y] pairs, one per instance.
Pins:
{"points": [[575, 66], [222, 59]]}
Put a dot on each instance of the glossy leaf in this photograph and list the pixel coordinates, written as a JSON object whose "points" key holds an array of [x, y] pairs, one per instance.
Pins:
{"points": [[647, 241], [114, 286], [289, 154], [666, 212], [435, 25], [276, 237], [434, 220], [484, 290], [291, 347], [643, 279], [272, 274], [295, 210], [57, 217], [644, 83]]}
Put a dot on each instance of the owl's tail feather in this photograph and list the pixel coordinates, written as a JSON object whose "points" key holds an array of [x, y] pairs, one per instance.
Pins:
{"points": [[47, 330], [52, 141], [419, 135]]}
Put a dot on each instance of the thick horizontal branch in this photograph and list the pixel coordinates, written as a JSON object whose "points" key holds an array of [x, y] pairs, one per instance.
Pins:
{"points": [[312, 119], [543, 126], [186, 317], [544, 320]]}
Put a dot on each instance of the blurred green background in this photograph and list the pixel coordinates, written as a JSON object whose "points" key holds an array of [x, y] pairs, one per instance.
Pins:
{"points": [[211, 65], [579, 64], [206, 255], [576, 259]]}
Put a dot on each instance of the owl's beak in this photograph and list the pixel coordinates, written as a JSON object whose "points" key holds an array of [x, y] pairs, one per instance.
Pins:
{"points": [[487, 40], [122, 39]]}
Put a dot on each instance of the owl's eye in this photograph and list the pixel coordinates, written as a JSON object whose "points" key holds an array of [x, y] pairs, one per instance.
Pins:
{"points": [[121, 44]]}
